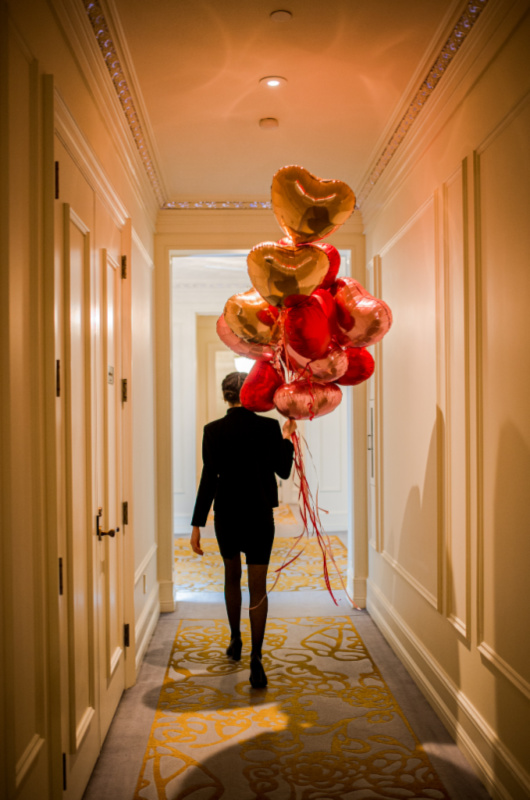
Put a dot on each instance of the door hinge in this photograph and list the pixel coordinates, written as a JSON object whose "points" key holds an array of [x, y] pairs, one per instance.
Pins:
{"points": [[64, 772], [57, 378], [125, 513], [56, 180], [126, 636], [61, 590], [124, 390], [124, 267]]}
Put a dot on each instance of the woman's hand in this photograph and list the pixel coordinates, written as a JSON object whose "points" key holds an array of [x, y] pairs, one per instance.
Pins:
{"points": [[289, 428], [195, 541]]}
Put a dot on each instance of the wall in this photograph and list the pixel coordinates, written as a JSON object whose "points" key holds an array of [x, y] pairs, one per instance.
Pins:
{"points": [[448, 241], [54, 85]]}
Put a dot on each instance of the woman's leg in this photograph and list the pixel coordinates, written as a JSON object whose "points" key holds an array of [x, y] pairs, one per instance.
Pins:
{"points": [[233, 600], [259, 604]]}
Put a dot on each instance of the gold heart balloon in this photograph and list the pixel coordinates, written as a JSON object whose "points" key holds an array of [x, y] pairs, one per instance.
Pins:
{"points": [[278, 271], [308, 208], [247, 315]]}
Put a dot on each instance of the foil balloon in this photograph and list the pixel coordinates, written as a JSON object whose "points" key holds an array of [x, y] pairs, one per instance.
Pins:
{"points": [[308, 208], [307, 328], [277, 271], [258, 390], [248, 316], [328, 368], [304, 399], [363, 319], [333, 259], [361, 366], [240, 346]]}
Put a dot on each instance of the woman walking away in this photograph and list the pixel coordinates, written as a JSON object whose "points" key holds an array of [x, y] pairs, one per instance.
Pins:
{"points": [[241, 454]]}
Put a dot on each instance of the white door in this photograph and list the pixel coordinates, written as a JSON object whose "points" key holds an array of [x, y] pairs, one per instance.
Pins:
{"points": [[91, 536]]}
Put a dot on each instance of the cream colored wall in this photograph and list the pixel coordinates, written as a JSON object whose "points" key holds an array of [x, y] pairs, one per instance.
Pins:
{"points": [[52, 81], [448, 240]]}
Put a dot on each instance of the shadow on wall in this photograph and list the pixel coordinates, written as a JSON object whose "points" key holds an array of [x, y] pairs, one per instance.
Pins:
{"points": [[508, 630]]}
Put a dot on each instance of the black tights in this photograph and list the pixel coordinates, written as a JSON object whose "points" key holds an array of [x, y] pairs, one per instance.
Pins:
{"points": [[257, 584]]}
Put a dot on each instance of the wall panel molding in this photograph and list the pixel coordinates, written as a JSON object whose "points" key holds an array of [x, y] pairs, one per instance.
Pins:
{"points": [[502, 774], [456, 400], [483, 341]]}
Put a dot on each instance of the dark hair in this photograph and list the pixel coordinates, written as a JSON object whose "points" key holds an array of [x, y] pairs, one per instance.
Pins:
{"points": [[231, 386]]}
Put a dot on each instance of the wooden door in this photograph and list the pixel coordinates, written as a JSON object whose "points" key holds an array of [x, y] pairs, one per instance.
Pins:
{"points": [[89, 418], [110, 547]]}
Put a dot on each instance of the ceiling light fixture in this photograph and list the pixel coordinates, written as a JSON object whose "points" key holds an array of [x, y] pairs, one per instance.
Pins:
{"points": [[268, 122], [273, 80], [281, 15]]}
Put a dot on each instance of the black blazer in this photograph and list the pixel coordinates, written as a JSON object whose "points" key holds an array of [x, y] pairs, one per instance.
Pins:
{"points": [[241, 452]]}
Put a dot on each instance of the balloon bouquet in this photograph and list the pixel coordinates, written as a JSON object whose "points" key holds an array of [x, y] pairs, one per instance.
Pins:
{"points": [[307, 330]]}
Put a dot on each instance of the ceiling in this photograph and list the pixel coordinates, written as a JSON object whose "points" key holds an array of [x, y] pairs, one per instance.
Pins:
{"points": [[352, 68]]}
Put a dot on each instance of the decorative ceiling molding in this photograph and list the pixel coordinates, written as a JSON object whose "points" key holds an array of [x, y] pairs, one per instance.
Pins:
{"points": [[108, 50], [218, 204], [449, 50], [451, 47]]}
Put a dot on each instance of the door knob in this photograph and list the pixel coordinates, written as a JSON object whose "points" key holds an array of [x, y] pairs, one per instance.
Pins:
{"points": [[112, 532]]}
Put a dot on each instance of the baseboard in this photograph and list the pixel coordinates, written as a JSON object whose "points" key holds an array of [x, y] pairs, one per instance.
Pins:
{"points": [[473, 735], [357, 589], [146, 624], [167, 596]]}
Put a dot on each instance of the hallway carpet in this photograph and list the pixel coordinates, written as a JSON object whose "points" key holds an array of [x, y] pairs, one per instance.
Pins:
{"points": [[341, 718], [327, 726], [206, 573]]}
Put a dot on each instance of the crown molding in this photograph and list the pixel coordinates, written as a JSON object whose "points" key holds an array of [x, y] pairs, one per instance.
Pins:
{"points": [[496, 25], [80, 38], [458, 35]]}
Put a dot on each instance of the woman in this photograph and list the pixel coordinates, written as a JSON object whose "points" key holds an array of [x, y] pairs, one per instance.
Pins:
{"points": [[241, 453]]}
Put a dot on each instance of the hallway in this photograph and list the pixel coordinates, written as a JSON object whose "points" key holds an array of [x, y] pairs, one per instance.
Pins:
{"points": [[138, 143], [330, 672]]}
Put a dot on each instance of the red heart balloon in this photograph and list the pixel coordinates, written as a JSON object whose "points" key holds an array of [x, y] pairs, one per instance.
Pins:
{"points": [[328, 368], [363, 319], [307, 328], [240, 346], [361, 366], [258, 390], [307, 399]]}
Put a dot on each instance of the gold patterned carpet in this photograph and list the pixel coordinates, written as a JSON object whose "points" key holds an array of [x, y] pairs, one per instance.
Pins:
{"points": [[327, 727], [196, 573]]}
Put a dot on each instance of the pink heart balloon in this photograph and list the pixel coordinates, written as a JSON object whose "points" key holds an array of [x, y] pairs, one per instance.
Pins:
{"points": [[240, 346], [330, 367], [363, 320], [303, 399]]}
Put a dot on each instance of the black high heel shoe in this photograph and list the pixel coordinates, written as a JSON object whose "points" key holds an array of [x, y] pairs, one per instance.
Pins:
{"points": [[258, 678], [233, 650]]}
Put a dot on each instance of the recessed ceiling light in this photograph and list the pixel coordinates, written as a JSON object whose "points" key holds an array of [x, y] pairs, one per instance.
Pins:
{"points": [[268, 122], [281, 15], [273, 80]]}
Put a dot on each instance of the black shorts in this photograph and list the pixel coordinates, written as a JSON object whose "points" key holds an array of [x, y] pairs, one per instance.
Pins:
{"points": [[248, 533]]}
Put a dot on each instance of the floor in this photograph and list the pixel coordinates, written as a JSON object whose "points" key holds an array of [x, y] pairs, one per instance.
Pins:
{"points": [[116, 773]]}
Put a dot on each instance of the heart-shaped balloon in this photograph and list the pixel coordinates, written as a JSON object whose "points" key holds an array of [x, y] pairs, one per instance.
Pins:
{"points": [[362, 319], [277, 271], [307, 399], [240, 346], [361, 366], [333, 259], [307, 328], [244, 315], [328, 368], [258, 390], [308, 208]]}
